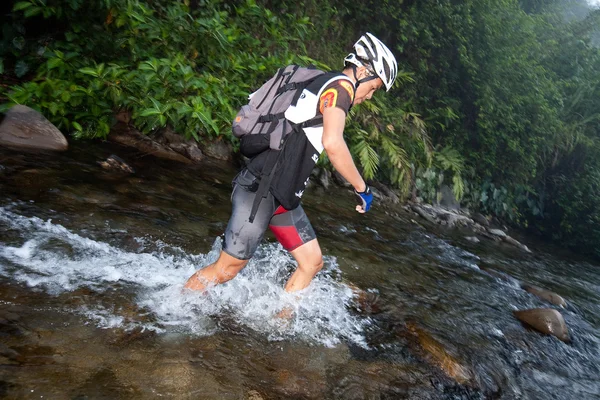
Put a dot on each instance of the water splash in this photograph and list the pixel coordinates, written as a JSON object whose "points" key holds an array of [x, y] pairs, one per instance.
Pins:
{"points": [[56, 260]]}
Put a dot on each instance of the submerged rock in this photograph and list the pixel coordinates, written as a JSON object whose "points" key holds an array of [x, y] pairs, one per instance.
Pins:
{"points": [[544, 294], [25, 128], [254, 395], [115, 163], [545, 320], [365, 302], [435, 352]]}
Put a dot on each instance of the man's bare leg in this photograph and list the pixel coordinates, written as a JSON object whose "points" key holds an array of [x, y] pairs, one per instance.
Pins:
{"points": [[224, 269], [310, 261]]}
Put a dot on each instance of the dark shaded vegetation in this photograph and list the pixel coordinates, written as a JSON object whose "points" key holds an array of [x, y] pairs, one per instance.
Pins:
{"points": [[498, 99]]}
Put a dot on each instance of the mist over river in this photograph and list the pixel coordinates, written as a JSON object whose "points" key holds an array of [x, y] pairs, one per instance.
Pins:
{"points": [[92, 264]]}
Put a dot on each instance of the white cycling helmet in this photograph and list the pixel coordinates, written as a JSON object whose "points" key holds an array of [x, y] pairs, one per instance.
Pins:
{"points": [[378, 59]]}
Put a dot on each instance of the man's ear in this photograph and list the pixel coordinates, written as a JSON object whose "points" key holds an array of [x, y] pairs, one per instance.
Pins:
{"points": [[361, 72]]}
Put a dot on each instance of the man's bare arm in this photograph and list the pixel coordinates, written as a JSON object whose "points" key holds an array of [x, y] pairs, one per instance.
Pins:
{"points": [[334, 120]]}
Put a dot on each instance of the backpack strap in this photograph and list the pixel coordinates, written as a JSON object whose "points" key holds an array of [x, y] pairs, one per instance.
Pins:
{"points": [[275, 81], [265, 182], [266, 176]]}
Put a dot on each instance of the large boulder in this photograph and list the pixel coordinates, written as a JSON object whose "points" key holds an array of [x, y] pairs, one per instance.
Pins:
{"points": [[545, 320], [25, 128]]}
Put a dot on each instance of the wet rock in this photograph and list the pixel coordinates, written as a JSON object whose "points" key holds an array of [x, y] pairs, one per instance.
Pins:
{"points": [[9, 353], [33, 354], [388, 194], [9, 326], [437, 215], [545, 320], [9, 316], [218, 149], [472, 239], [193, 152], [480, 230], [421, 211], [117, 164], [546, 295], [123, 337], [254, 395], [365, 302], [295, 384], [497, 232], [25, 128], [186, 147], [516, 243], [481, 219], [2, 170], [379, 380], [128, 136], [434, 351], [104, 384]]}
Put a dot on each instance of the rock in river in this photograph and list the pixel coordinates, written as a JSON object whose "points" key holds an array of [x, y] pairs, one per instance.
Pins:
{"points": [[547, 295], [25, 128], [545, 320], [435, 352]]}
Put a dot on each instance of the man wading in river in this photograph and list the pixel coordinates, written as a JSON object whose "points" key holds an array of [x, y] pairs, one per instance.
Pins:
{"points": [[284, 148]]}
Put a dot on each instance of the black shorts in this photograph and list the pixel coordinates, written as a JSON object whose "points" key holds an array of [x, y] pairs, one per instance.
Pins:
{"points": [[291, 227]]}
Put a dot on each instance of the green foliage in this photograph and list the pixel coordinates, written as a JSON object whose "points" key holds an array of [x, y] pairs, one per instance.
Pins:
{"points": [[155, 59]]}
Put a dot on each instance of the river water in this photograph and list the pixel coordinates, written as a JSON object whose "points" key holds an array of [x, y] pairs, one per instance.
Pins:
{"points": [[92, 264]]}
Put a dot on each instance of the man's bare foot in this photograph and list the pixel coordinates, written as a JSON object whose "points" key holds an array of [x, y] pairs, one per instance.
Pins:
{"points": [[286, 314], [197, 282]]}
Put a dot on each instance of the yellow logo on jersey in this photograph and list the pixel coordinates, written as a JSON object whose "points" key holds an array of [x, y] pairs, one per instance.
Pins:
{"points": [[349, 88], [328, 99]]}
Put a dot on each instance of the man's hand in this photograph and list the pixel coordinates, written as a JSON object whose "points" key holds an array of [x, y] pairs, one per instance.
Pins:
{"points": [[364, 200]]}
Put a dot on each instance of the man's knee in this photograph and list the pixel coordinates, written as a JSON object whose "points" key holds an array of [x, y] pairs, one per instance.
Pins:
{"points": [[313, 265]]}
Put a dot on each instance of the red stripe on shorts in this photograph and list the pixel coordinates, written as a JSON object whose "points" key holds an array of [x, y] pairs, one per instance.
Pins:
{"points": [[287, 236], [280, 210]]}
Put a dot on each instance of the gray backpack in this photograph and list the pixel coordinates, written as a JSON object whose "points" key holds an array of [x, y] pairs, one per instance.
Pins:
{"points": [[261, 124]]}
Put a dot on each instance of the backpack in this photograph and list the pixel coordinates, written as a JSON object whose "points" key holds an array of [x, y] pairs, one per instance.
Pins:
{"points": [[261, 124]]}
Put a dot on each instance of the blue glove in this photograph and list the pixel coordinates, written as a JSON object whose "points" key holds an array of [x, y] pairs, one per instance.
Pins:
{"points": [[364, 198]]}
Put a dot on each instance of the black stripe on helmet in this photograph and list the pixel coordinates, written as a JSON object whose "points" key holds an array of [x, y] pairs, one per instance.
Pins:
{"points": [[372, 48], [386, 71]]}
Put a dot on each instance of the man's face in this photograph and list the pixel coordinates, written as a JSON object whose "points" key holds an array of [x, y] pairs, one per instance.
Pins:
{"points": [[365, 90]]}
